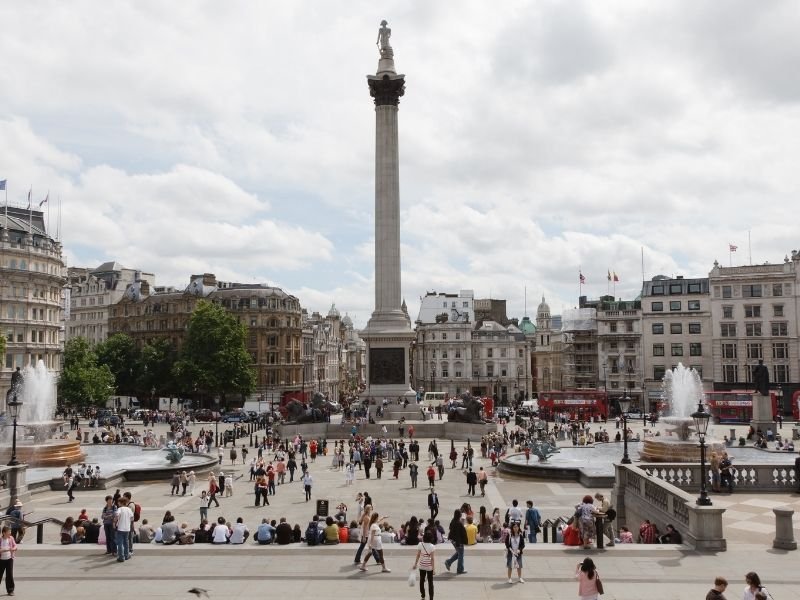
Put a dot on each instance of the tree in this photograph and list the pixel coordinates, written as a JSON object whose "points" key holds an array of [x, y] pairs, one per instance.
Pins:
{"points": [[214, 360], [123, 358], [83, 381], [3, 347], [156, 361]]}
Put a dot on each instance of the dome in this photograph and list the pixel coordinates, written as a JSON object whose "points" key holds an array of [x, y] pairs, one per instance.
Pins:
{"points": [[544, 307], [334, 312], [347, 321], [527, 326]]}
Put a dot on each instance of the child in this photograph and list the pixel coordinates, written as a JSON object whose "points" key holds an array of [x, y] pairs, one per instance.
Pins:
{"points": [[625, 536], [204, 502]]}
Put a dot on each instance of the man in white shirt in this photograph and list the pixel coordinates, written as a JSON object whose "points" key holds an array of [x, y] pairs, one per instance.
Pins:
{"points": [[308, 481], [514, 514], [239, 534], [123, 521]]}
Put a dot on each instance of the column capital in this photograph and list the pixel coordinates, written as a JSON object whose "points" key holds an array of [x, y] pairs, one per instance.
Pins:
{"points": [[386, 90]]}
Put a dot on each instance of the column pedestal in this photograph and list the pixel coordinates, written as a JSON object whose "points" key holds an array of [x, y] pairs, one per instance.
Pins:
{"points": [[762, 414]]}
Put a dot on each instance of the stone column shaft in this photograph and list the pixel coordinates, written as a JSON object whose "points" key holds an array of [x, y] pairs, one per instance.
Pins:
{"points": [[387, 210]]}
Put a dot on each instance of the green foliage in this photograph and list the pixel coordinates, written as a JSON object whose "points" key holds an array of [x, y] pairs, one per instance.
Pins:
{"points": [[123, 358], [156, 362], [83, 381], [3, 347], [214, 360]]}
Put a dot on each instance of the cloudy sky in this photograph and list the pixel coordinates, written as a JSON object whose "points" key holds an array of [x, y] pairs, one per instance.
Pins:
{"points": [[536, 138]]}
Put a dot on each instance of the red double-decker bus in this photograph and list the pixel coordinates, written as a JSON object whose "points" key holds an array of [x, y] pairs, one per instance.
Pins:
{"points": [[578, 404], [735, 406]]}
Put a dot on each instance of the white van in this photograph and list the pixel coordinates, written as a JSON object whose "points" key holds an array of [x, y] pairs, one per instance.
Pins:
{"points": [[433, 399], [529, 407]]}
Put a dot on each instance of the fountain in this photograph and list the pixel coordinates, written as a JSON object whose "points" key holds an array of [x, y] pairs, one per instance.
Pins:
{"points": [[684, 390], [35, 424]]}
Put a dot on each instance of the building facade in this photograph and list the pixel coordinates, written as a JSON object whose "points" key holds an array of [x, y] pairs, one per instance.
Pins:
{"points": [[754, 311], [676, 328], [619, 348], [32, 278], [329, 371], [548, 351], [92, 292]]}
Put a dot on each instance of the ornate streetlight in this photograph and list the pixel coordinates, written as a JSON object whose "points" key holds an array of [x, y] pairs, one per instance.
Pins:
{"points": [[624, 406], [13, 408], [701, 419]]}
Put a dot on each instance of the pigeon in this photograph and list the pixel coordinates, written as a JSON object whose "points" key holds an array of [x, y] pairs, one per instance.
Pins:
{"points": [[199, 592]]}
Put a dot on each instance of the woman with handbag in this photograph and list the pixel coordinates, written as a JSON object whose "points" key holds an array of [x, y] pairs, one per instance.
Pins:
{"points": [[589, 585], [515, 544], [425, 563]]}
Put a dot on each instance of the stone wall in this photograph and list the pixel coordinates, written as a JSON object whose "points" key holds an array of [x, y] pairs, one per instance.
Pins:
{"points": [[750, 477]]}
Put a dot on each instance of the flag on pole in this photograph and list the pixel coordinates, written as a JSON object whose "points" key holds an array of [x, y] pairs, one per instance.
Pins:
{"points": [[29, 198], [581, 277], [616, 279], [43, 202], [732, 248], [609, 274], [3, 184]]}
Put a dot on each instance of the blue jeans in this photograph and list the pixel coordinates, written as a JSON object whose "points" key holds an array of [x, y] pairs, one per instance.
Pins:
{"points": [[361, 547], [123, 551], [459, 556], [111, 547], [532, 535]]}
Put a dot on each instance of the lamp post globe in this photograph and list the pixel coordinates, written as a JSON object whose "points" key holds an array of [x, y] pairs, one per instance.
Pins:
{"points": [[701, 421]]}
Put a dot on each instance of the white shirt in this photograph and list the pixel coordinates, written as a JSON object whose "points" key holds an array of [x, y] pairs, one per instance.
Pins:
{"points": [[220, 534], [375, 541], [124, 518], [237, 535], [307, 480]]}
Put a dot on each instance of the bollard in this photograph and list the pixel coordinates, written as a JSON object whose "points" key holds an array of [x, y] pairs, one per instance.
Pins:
{"points": [[784, 530], [598, 525], [40, 533], [251, 442], [733, 437]]}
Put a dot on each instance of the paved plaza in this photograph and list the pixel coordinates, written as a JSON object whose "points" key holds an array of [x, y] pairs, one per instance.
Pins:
{"points": [[251, 571]]}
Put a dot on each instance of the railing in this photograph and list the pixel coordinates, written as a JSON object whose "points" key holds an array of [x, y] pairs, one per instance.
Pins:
{"points": [[16, 523], [762, 477]]}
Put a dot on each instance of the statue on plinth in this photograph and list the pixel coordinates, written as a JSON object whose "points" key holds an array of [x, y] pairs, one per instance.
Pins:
{"points": [[761, 378], [384, 33]]}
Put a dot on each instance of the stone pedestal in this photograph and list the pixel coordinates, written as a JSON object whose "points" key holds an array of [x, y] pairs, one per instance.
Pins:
{"points": [[784, 530], [762, 414]]}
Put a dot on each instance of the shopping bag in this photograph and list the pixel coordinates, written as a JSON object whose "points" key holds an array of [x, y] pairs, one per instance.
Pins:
{"points": [[412, 578]]}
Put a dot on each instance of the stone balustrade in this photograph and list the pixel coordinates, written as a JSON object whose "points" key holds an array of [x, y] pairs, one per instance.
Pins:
{"points": [[750, 477], [639, 495]]}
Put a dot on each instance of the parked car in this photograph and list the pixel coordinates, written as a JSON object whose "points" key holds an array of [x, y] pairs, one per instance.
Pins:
{"points": [[504, 412], [205, 414], [107, 419], [235, 417]]}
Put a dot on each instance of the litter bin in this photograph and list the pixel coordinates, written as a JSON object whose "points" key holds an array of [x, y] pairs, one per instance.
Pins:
{"points": [[322, 508], [795, 433]]}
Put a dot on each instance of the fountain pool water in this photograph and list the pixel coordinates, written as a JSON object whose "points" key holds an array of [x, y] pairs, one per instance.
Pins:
{"points": [[684, 391]]}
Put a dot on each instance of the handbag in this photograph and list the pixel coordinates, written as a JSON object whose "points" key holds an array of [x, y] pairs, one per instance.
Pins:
{"points": [[412, 578], [599, 584]]}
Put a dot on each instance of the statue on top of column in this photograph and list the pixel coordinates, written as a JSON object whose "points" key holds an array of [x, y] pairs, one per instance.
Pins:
{"points": [[384, 33]]}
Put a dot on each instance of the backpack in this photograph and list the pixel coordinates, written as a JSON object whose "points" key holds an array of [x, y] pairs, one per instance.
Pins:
{"points": [[312, 534], [611, 514], [137, 511]]}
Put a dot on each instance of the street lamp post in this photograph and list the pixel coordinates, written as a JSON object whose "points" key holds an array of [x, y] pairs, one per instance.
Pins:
{"points": [[624, 405], [13, 408], [701, 419], [433, 378]]}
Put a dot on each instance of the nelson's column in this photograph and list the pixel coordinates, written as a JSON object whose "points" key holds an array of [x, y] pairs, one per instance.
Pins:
{"points": [[388, 334]]}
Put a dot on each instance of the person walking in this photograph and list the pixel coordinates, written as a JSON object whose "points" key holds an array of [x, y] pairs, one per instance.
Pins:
{"points": [[609, 514], [308, 481], [587, 577], [433, 503], [175, 483], [753, 586], [375, 544], [515, 544], [472, 481], [108, 515], [364, 524], [123, 521], [8, 551], [533, 522], [715, 593], [204, 502], [426, 564], [483, 479], [458, 537], [192, 478], [413, 472], [431, 473]]}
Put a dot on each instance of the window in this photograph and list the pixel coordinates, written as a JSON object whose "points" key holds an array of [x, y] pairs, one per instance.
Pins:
{"points": [[612, 327], [656, 306], [695, 288], [658, 290], [695, 328], [444, 353], [780, 329], [445, 371], [658, 328], [777, 310], [675, 328], [780, 373], [674, 305], [444, 336], [727, 291], [730, 373], [752, 329], [502, 352], [489, 371], [629, 326], [728, 329], [728, 350], [752, 311], [458, 353], [458, 374], [658, 372], [489, 353], [458, 336], [675, 288], [754, 352], [658, 349], [695, 349], [693, 304], [777, 289], [727, 312], [780, 350], [676, 349], [751, 291], [465, 304]]}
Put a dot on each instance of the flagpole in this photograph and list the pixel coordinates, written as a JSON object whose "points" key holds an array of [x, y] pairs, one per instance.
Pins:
{"points": [[642, 264], [30, 211], [730, 256], [749, 249]]}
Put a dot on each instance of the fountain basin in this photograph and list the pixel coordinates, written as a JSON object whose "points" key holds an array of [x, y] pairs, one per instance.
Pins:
{"points": [[50, 453], [675, 450]]}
